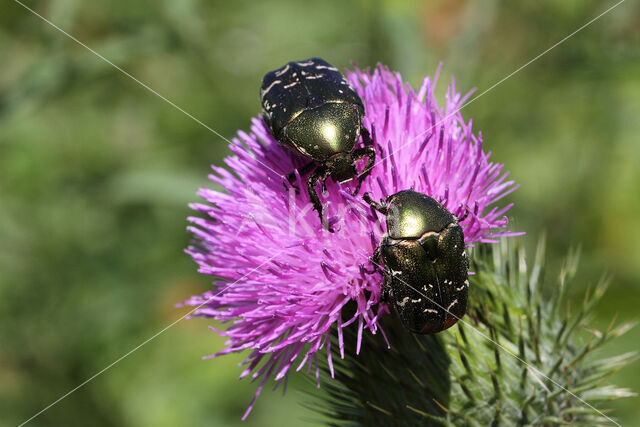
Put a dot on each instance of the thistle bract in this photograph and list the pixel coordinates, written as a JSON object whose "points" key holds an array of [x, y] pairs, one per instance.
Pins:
{"points": [[281, 280]]}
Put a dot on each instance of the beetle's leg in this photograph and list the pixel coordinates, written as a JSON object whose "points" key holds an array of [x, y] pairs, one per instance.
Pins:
{"points": [[366, 136], [321, 173], [375, 205], [374, 259], [303, 170], [385, 290], [466, 214], [360, 154], [368, 271]]}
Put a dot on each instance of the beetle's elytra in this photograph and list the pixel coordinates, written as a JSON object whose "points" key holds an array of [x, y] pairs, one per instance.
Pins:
{"points": [[425, 263], [310, 107]]}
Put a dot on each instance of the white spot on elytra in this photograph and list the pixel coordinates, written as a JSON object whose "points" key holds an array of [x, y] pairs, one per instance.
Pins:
{"points": [[282, 71], [403, 302], [275, 82], [454, 302]]}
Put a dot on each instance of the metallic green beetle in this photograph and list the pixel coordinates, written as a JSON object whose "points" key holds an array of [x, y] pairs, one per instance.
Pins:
{"points": [[425, 263], [310, 107]]}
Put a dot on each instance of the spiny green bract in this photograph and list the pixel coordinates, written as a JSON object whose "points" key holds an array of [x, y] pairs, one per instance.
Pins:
{"points": [[536, 368]]}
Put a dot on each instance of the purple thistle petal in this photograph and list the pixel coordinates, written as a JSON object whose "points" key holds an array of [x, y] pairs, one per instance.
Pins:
{"points": [[282, 280]]}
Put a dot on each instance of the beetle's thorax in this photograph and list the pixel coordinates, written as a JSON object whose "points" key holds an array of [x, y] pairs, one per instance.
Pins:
{"points": [[412, 214], [322, 132], [341, 167]]}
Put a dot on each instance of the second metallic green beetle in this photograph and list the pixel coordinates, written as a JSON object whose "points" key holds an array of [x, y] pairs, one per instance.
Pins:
{"points": [[425, 263]]}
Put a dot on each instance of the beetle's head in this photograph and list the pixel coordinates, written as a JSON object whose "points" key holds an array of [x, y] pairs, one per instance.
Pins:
{"points": [[341, 167]]}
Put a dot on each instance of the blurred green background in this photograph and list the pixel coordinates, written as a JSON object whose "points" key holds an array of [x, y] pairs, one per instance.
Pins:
{"points": [[96, 173]]}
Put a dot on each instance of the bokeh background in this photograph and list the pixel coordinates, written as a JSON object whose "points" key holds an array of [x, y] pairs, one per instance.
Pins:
{"points": [[96, 173]]}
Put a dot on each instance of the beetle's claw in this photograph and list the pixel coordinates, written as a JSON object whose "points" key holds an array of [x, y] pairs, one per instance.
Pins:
{"points": [[327, 227], [355, 192]]}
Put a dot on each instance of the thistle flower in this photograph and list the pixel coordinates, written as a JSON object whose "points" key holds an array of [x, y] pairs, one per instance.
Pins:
{"points": [[283, 281]]}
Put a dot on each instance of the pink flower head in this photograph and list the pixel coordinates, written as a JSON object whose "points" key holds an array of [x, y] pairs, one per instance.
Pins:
{"points": [[282, 280]]}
